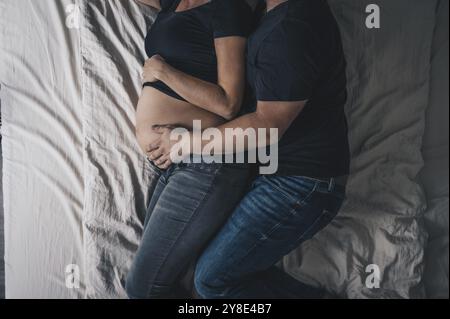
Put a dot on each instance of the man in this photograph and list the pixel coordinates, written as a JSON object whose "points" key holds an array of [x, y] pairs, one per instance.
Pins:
{"points": [[296, 69]]}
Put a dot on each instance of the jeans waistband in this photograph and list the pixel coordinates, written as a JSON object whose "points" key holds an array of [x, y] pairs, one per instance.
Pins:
{"points": [[332, 181], [201, 165]]}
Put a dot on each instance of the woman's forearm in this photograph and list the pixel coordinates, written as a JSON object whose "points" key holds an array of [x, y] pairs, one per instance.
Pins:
{"points": [[151, 3], [206, 95]]}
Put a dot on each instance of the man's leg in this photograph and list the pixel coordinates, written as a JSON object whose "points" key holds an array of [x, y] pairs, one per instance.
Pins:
{"points": [[276, 216]]}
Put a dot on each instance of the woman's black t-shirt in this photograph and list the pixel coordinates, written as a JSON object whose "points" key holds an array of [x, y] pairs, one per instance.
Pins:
{"points": [[185, 39]]}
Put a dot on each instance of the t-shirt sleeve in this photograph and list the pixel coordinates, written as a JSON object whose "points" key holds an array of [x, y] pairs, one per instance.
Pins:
{"points": [[231, 18], [288, 65]]}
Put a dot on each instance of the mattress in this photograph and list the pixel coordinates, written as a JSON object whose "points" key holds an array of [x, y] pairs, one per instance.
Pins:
{"points": [[76, 186]]}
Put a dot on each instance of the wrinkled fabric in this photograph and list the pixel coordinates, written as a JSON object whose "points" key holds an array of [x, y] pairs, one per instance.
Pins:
{"points": [[435, 173], [43, 184]]}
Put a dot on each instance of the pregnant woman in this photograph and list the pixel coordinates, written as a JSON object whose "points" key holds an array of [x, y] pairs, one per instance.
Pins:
{"points": [[196, 72]]}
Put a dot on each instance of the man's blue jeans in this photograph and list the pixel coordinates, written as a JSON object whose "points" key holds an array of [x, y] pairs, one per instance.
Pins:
{"points": [[274, 218]]}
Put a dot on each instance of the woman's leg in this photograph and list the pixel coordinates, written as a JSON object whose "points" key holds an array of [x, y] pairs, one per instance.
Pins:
{"points": [[194, 204], [276, 216]]}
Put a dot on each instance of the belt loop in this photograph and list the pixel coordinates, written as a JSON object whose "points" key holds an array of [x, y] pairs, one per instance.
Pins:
{"points": [[331, 185]]}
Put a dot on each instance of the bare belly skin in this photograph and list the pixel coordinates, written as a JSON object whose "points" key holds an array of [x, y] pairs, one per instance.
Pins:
{"points": [[157, 108]]}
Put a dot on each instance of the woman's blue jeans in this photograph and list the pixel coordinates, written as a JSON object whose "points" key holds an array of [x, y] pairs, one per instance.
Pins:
{"points": [[190, 204]]}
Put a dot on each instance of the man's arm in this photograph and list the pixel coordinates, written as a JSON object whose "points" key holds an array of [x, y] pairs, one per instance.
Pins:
{"points": [[277, 115], [269, 115]]}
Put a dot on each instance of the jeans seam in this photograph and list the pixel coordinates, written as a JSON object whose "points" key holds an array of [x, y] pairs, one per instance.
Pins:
{"points": [[289, 197], [313, 224], [196, 210], [260, 240], [163, 182], [293, 212], [298, 202]]}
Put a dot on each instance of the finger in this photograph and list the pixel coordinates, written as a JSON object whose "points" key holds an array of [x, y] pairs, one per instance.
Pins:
{"points": [[162, 126], [157, 126], [159, 129], [155, 155], [161, 160], [152, 147], [165, 165], [170, 127]]}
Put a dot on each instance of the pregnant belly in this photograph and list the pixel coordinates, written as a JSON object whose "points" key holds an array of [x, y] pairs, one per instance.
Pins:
{"points": [[157, 108]]}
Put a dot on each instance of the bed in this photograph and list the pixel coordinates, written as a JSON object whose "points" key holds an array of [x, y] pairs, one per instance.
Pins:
{"points": [[75, 185]]}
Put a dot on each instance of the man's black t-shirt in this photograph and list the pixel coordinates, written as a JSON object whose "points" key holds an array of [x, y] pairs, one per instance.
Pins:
{"points": [[295, 55]]}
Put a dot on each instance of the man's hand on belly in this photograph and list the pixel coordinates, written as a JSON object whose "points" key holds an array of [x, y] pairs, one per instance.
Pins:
{"points": [[145, 136]]}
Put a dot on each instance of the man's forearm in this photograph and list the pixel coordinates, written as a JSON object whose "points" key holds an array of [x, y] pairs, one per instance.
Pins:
{"points": [[255, 130], [234, 136]]}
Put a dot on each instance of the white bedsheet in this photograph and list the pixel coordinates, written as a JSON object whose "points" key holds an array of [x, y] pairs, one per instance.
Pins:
{"points": [[117, 179], [42, 148], [75, 184]]}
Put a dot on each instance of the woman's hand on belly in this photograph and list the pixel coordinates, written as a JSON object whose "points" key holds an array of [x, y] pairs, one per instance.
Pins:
{"points": [[152, 69]]}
